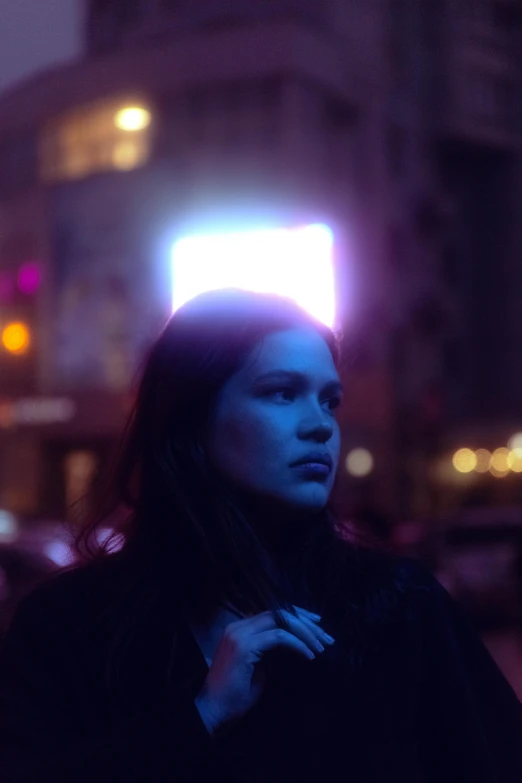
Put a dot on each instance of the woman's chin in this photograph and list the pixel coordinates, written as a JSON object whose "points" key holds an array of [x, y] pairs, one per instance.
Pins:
{"points": [[308, 500]]}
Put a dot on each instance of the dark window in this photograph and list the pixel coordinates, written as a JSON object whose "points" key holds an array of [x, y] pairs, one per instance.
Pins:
{"points": [[195, 108], [396, 149], [269, 95], [130, 11], [120, 9], [450, 265], [504, 91], [452, 359], [505, 14], [109, 18], [100, 6], [18, 162], [398, 248], [338, 114]]}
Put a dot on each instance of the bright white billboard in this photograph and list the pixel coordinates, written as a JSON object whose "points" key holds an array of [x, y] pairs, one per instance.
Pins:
{"points": [[295, 262]]}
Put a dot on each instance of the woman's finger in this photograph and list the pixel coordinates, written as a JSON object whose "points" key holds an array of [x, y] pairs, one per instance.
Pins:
{"points": [[312, 615], [310, 633], [301, 626], [321, 634], [278, 637]]}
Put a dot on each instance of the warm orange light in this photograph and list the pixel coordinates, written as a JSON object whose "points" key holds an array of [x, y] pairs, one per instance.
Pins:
{"points": [[16, 338], [483, 460], [514, 460], [133, 118], [499, 465], [515, 442], [126, 155], [464, 461]]}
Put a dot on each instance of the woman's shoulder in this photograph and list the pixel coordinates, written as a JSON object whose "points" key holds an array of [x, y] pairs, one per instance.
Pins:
{"points": [[389, 585], [385, 567], [406, 576], [411, 576], [80, 591]]}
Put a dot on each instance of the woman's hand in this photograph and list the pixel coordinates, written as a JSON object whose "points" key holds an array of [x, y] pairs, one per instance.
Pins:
{"points": [[235, 680]]}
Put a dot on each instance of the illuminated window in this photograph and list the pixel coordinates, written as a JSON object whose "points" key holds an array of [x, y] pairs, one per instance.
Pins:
{"points": [[105, 137]]}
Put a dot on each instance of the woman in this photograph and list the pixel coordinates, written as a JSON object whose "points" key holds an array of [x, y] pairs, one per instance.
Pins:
{"points": [[236, 635]]}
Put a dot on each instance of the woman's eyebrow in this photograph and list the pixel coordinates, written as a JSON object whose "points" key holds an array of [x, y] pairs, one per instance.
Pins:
{"points": [[297, 377]]}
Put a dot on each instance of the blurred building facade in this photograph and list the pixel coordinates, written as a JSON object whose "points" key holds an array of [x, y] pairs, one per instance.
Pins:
{"points": [[393, 122]]}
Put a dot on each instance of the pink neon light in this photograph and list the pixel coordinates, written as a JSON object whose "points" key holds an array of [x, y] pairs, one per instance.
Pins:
{"points": [[29, 277]]}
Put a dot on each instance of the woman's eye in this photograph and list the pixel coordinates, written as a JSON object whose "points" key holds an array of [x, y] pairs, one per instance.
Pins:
{"points": [[334, 403], [282, 393], [288, 394]]}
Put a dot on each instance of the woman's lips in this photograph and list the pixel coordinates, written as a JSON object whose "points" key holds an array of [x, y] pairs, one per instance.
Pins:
{"points": [[317, 468]]}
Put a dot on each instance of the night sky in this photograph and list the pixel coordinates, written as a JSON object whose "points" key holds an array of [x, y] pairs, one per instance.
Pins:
{"points": [[36, 34]]}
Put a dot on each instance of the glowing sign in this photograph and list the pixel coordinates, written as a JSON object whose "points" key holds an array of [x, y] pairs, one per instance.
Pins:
{"points": [[293, 262], [29, 277], [16, 338], [36, 410]]}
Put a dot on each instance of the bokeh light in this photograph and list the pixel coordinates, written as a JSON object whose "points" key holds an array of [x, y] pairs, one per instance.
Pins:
{"points": [[126, 155], [133, 118], [59, 552], [29, 278], [359, 463], [514, 460], [499, 466], [483, 460], [16, 338], [515, 442], [464, 461], [8, 527]]}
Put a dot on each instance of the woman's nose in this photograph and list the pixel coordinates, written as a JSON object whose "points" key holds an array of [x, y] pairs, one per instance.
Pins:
{"points": [[323, 432], [317, 428]]}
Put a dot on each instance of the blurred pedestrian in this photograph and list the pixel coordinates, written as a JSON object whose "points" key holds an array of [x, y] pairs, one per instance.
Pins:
{"points": [[236, 635]]}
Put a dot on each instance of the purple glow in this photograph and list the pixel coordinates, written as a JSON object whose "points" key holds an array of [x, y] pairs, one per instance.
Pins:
{"points": [[29, 278], [6, 287]]}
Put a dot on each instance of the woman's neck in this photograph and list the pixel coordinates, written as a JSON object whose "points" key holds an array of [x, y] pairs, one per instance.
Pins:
{"points": [[284, 537]]}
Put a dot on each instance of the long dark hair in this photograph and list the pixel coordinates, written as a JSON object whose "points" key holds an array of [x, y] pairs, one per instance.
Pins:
{"points": [[184, 530]]}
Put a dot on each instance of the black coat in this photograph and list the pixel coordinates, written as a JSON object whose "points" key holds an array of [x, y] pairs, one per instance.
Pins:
{"points": [[427, 704]]}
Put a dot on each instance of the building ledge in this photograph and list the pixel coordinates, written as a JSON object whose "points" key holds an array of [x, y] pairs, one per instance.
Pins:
{"points": [[269, 49]]}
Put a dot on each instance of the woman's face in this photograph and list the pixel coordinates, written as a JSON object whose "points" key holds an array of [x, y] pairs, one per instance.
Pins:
{"points": [[276, 410]]}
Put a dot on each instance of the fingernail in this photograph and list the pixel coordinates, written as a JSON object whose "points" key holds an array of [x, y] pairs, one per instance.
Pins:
{"points": [[329, 638], [314, 616]]}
